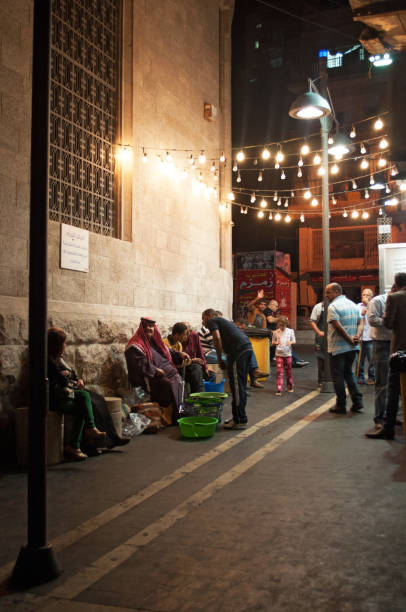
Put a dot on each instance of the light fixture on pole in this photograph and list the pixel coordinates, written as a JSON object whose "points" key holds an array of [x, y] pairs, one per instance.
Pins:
{"points": [[310, 105]]}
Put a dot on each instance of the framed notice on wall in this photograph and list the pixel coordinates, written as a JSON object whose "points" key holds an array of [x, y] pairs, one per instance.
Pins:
{"points": [[392, 259], [74, 248]]}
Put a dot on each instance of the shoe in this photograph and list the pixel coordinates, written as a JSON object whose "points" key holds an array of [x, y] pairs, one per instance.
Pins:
{"points": [[260, 374], [95, 437], [338, 410], [118, 442], [371, 382], [301, 364], [232, 425], [361, 381], [257, 385], [380, 432], [357, 408], [290, 390], [74, 454], [278, 393]]}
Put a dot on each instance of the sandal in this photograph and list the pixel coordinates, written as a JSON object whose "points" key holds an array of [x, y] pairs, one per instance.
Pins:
{"points": [[74, 454]]}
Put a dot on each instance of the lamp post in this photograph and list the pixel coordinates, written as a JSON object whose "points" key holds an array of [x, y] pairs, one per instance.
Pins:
{"points": [[312, 105]]}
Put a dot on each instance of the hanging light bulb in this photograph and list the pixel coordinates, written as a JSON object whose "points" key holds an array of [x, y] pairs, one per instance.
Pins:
{"points": [[202, 158], [320, 171], [240, 156], [300, 173], [235, 167], [302, 217], [365, 215], [263, 203], [378, 125], [200, 176], [191, 160], [270, 216], [314, 202], [168, 157], [387, 188], [371, 180], [260, 214], [333, 201], [307, 194], [362, 149], [283, 175], [277, 165], [255, 162], [330, 140], [382, 162], [366, 194], [222, 158], [275, 196], [353, 133], [246, 210], [213, 166], [300, 162], [280, 156], [316, 159], [305, 150], [334, 169], [402, 186], [286, 203], [345, 214], [238, 178], [265, 154], [144, 157], [364, 164], [241, 210], [278, 216], [260, 176], [353, 184], [253, 198], [383, 144], [287, 219], [280, 202], [231, 196], [355, 214], [380, 213], [394, 171], [216, 176]]}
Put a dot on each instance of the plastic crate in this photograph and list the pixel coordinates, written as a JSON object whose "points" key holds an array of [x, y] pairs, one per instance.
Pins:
{"points": [[192, 407]]}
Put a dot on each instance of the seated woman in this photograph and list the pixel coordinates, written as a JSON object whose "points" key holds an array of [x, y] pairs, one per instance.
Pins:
{"points": [[148, 359], [68, 395]]}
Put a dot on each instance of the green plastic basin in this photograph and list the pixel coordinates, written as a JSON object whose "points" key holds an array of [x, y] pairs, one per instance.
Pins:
{"points": [[197, 426]]}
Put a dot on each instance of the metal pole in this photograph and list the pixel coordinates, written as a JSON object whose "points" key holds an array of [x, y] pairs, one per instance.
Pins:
{"points": [[36, 562]]}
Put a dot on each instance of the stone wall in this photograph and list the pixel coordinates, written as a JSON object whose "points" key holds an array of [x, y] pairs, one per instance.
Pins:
{"points": [[173, 257]]}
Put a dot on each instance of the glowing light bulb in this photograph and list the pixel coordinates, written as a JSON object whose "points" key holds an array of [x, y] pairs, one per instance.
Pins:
{"points": [[380, 213], [216, 176], [314, 202], [382, 162], [260, 214], [300, 173], [235, 167], [275, 196], [402, 186], [355, 214], [231, 196], [300, 162], [394, 171], [292, 194], [364, 164], [366, 194], [345, 214], [333, 201], [365, 215], [200, 176], [287, 219], [354, 184], [222, 158], [305, 150], [270, 216], [280, 156], [213, 166], [238, 178], [302, 218], [307, 194], [387, 189], [330, 140], [378, 125], [277, 165], [353, 133], [371, 180], [241, 210], [334, 169], [191, 160], [202, 158], [286, 203], [320, 171], [280, 202], [144, 158], [278, 216], [283, 175], [316, 159], [265, 154], [263, 203], [253, 198], [259, 177], [384, 144], [240, 156], [338, 156], [362, 149], [255, 162]]}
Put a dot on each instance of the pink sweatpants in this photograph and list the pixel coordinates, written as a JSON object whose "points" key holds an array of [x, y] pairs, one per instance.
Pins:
{"points": [[281, 363]]}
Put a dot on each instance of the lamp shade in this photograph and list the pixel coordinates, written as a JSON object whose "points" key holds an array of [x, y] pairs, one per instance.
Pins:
{"points": [[310, 105], [341, 145]]}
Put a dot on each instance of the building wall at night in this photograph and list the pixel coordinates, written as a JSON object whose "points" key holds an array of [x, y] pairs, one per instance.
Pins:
{"points": [[171, 254]]}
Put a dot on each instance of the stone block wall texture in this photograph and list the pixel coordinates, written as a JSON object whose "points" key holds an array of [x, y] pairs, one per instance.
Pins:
{"points": [[168, 266]]}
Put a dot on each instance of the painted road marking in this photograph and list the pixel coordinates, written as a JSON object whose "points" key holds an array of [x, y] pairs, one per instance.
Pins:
{"points": [[74, 535], [88, 576]]}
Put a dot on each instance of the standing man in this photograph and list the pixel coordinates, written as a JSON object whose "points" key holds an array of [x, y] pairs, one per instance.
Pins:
{"points": [[317, 320], [381, 337], [366, 341], [395, 319], [237, 347], [344, 328]]}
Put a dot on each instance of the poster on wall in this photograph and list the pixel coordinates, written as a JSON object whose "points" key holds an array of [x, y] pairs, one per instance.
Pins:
{"points": [[263, 260], [74, 248], [274, 283], [392, 259]]}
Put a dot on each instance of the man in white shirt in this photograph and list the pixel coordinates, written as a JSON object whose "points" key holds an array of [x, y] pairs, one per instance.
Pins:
{"points": [[366, 341]]}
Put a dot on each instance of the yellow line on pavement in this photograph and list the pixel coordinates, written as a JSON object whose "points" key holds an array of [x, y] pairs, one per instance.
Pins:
{"points": [[74, 535], [88, 576]]}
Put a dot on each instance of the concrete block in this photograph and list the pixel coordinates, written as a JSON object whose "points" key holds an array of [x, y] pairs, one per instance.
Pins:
{"points": [[13, 251], [68, 289], [8, 281], [110, 294], [54, 437]]}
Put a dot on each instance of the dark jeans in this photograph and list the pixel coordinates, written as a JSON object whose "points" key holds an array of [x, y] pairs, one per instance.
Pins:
{"points": [[238, 373], [341, 370], [392, 399], [194, 376], [380, 353], [366, 354]]}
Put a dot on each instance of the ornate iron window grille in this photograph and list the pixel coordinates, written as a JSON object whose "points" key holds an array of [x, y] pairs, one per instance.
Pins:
{"points": [[83, 113]]}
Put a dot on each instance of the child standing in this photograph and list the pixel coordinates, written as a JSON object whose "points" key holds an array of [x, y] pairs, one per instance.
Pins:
{"points": [[283, 337]]}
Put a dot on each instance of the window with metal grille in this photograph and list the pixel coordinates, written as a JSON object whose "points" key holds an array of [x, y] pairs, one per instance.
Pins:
{"points": [[83, 113]]}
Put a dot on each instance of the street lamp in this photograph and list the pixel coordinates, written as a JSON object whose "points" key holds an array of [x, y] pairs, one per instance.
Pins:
{"points": [[313, 105]]}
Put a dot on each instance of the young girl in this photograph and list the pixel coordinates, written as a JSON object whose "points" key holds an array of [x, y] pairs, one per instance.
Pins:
{"points": [[283, 337]]}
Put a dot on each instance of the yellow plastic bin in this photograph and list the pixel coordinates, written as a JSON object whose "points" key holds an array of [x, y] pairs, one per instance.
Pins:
{"points": [[261, 350]]}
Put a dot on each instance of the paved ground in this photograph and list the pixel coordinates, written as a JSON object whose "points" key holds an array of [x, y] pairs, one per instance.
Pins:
{"points": [[298, 512]]}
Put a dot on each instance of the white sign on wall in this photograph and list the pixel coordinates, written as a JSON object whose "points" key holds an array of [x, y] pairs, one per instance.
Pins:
{"points": [[392, 259], [74, 248]]}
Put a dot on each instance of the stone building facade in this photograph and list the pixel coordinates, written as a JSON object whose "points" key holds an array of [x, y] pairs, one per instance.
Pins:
{"points": [[169, 255]]}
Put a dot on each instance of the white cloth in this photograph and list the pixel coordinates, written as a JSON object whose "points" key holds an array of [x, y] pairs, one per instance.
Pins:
{"points": [[287, 335]]}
